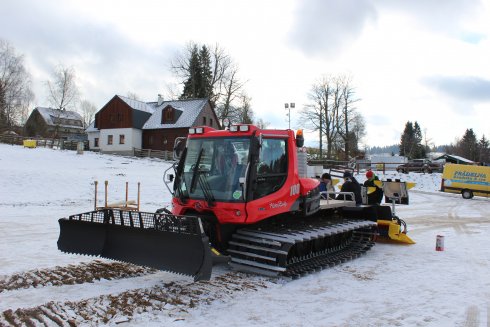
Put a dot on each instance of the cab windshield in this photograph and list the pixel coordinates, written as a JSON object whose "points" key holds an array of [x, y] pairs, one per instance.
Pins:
{"points": [[212, 169]]}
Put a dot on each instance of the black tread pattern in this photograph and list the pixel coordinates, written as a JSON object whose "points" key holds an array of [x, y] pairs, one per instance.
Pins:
{"points": [[298, 248]]}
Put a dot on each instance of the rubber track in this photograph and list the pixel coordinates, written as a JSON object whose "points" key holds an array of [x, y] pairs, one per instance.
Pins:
{"points": [[72, 274], [263, 250], [359, 247]]}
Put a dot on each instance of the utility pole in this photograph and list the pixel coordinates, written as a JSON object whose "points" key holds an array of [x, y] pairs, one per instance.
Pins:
{"points": [[289, 106]]}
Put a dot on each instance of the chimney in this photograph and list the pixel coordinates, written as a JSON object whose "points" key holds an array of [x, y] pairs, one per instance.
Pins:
{"points": [[160, 99]]}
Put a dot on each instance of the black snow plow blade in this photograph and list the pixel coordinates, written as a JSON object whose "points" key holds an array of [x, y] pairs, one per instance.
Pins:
{"points": [[162, 241]]}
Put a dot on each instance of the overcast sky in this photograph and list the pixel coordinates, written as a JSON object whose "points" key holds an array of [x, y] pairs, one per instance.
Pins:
{"points": [[419, 60]]}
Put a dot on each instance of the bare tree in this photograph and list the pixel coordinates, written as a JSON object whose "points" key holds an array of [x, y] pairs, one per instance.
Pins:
{"points": [[246, 115], [262, 124], [63, 92], [428, 144], [88, 110], [230, 92], [348, 116], [331, 113], [132, 95], [321, 114], [170, 92], [15, 86]]}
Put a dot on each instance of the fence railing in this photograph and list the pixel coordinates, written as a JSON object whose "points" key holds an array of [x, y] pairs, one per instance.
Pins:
{"points": [[149, 153], [338, 167], [45, 143]]}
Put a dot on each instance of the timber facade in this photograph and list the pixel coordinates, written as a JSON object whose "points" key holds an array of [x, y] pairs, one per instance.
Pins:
{"points": [[124, 124]]}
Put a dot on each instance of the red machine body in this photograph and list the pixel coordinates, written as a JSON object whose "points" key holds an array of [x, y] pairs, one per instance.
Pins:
{"points": [[250, 210]]}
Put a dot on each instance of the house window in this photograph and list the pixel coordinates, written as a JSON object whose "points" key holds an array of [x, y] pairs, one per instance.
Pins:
{"points": [[96, 142], [119, 117], [168, 115], [211, 122], [204, 121], [109, 139], [121, 139]]}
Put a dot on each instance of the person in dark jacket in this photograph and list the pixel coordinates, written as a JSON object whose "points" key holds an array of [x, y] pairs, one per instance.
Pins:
{"points": [[350, 185], [326, 186], [377, 196]]}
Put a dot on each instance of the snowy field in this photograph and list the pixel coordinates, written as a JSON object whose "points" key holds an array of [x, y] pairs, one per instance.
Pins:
{"points": [[392, 285]]}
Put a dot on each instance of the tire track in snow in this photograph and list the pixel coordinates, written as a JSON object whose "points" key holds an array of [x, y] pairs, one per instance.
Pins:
{"points": [[72, 274], [174, 298]]}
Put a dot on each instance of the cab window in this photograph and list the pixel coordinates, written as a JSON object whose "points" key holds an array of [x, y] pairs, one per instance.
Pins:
{"points": [[272, 167]]}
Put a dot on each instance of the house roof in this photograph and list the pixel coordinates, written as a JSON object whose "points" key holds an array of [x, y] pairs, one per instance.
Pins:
{"points": [[455, 159], [190, 111], [68, 117], [148, 107]]}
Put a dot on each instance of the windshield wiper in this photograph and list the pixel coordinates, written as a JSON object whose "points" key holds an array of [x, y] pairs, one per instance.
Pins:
{"points": [[206, 190], [179, 178], [196, 171]]}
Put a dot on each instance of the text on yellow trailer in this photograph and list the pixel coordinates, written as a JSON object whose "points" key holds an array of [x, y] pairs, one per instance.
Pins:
{"points": [[467, 180]]}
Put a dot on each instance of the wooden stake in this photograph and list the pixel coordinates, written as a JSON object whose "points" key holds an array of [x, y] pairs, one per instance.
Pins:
{"points": [[95, 200], [106, 183], [126, 203], [138, 196]]}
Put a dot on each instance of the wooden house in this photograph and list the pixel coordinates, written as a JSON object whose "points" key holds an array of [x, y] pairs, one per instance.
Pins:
{"points": [[172, 119], [117, 127], [124, 124], [54, 123]]}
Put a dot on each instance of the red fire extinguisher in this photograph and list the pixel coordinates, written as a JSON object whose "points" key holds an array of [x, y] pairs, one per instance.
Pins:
{"points": [[440, 243]]}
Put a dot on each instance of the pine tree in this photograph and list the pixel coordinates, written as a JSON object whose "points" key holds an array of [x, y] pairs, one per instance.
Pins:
{"points": [[406, 141], [411, 142], [420, 151], [484, 150], [468, 145], [194, 81], [199, 83], [206, 87]]}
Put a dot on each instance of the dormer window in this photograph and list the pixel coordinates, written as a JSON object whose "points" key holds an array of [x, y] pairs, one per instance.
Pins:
{"points": [[168, 115]]}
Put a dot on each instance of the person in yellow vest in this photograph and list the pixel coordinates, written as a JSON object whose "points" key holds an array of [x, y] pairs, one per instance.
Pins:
{"points": [[377, 196]]}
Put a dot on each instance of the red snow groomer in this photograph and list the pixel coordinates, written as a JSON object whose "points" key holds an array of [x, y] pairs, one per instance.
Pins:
{"points": [[240, 195]]}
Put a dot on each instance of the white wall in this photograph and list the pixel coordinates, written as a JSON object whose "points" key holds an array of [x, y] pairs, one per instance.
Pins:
{"points": [[391, 161], [91, 140], [132, 139]]}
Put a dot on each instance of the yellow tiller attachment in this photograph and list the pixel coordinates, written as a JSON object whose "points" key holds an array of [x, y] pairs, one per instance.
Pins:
{"points": [[394, 231]]}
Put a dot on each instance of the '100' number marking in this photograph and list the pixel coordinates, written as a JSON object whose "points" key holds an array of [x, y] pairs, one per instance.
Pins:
{"points": [[294, 189]]}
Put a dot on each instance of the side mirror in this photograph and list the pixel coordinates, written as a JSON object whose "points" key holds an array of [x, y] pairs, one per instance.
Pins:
{"points": [[179, 146]]}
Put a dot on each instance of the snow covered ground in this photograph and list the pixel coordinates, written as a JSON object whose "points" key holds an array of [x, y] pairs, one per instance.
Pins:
{"points": [[392, 285]]}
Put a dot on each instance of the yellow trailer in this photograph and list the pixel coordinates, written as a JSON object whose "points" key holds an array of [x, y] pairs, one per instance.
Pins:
{"points": [[468, 180], [30, 143]]}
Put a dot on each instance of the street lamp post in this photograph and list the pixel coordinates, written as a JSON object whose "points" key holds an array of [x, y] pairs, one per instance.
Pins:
{"points": [[289, 106]]}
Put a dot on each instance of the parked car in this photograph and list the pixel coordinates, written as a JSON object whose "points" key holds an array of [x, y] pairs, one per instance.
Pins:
{"points": [[419, 166]]}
